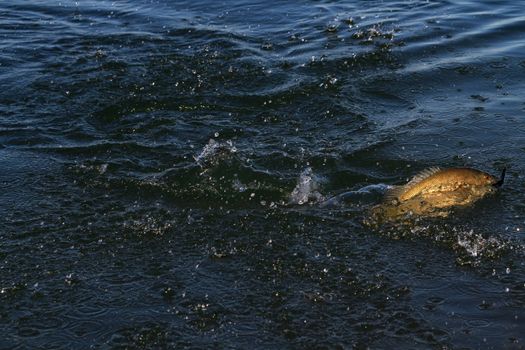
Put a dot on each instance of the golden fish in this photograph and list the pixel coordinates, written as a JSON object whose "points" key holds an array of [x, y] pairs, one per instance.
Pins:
{"points": [[434, 192]]}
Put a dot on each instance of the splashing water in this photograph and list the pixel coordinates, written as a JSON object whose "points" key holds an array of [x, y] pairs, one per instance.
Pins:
{"points": [[306, 189], [213, 151], [472, 247], [477, 246]]}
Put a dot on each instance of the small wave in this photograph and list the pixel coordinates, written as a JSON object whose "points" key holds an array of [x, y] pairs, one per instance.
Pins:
{"points": [[365, 195]]}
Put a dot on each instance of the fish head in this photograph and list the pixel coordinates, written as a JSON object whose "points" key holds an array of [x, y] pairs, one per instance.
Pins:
{"points": [[481, 183], [488, 180], [481, 178], [484, 179]]}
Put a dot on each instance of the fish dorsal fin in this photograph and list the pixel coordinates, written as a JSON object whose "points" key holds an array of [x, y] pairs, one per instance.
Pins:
{"points": [[394, 193], [423, 175]]}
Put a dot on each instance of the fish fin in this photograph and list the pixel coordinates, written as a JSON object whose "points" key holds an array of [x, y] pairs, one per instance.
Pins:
{"points": [[393, 194], [423, 175]]}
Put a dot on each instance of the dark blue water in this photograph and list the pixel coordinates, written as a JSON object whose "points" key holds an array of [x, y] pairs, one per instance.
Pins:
{"points": [[165, 169]]}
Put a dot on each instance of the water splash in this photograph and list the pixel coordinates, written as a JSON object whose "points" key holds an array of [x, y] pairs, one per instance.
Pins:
{"points": [[213, 151], [306, 189], [472, 247]]}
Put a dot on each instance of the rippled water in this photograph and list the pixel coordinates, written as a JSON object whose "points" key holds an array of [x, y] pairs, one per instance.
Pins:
{"points": [[196, 173]]}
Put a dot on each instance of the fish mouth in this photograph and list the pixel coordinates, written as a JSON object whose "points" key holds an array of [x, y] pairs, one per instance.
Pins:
{"points": [[501, 180]]}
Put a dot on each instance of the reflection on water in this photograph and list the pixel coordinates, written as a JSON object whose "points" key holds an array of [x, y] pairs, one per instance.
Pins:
{"points": [[193, 173]]}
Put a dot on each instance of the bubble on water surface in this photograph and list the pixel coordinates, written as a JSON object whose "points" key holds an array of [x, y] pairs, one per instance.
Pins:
{"points": [[332, 27]]}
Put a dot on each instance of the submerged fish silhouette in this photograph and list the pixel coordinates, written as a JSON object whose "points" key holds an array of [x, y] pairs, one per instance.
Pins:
{"points": [[434, 192]]}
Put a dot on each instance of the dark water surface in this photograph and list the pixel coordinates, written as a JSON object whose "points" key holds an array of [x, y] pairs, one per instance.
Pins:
{"points": [[164, 167]]}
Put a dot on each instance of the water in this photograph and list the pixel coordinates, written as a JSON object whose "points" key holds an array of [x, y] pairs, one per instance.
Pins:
{"points": [[196, 173]]}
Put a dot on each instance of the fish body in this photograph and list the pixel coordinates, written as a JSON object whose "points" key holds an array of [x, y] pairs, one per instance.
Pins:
{"points": [[435, 192], [440, 182]]}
